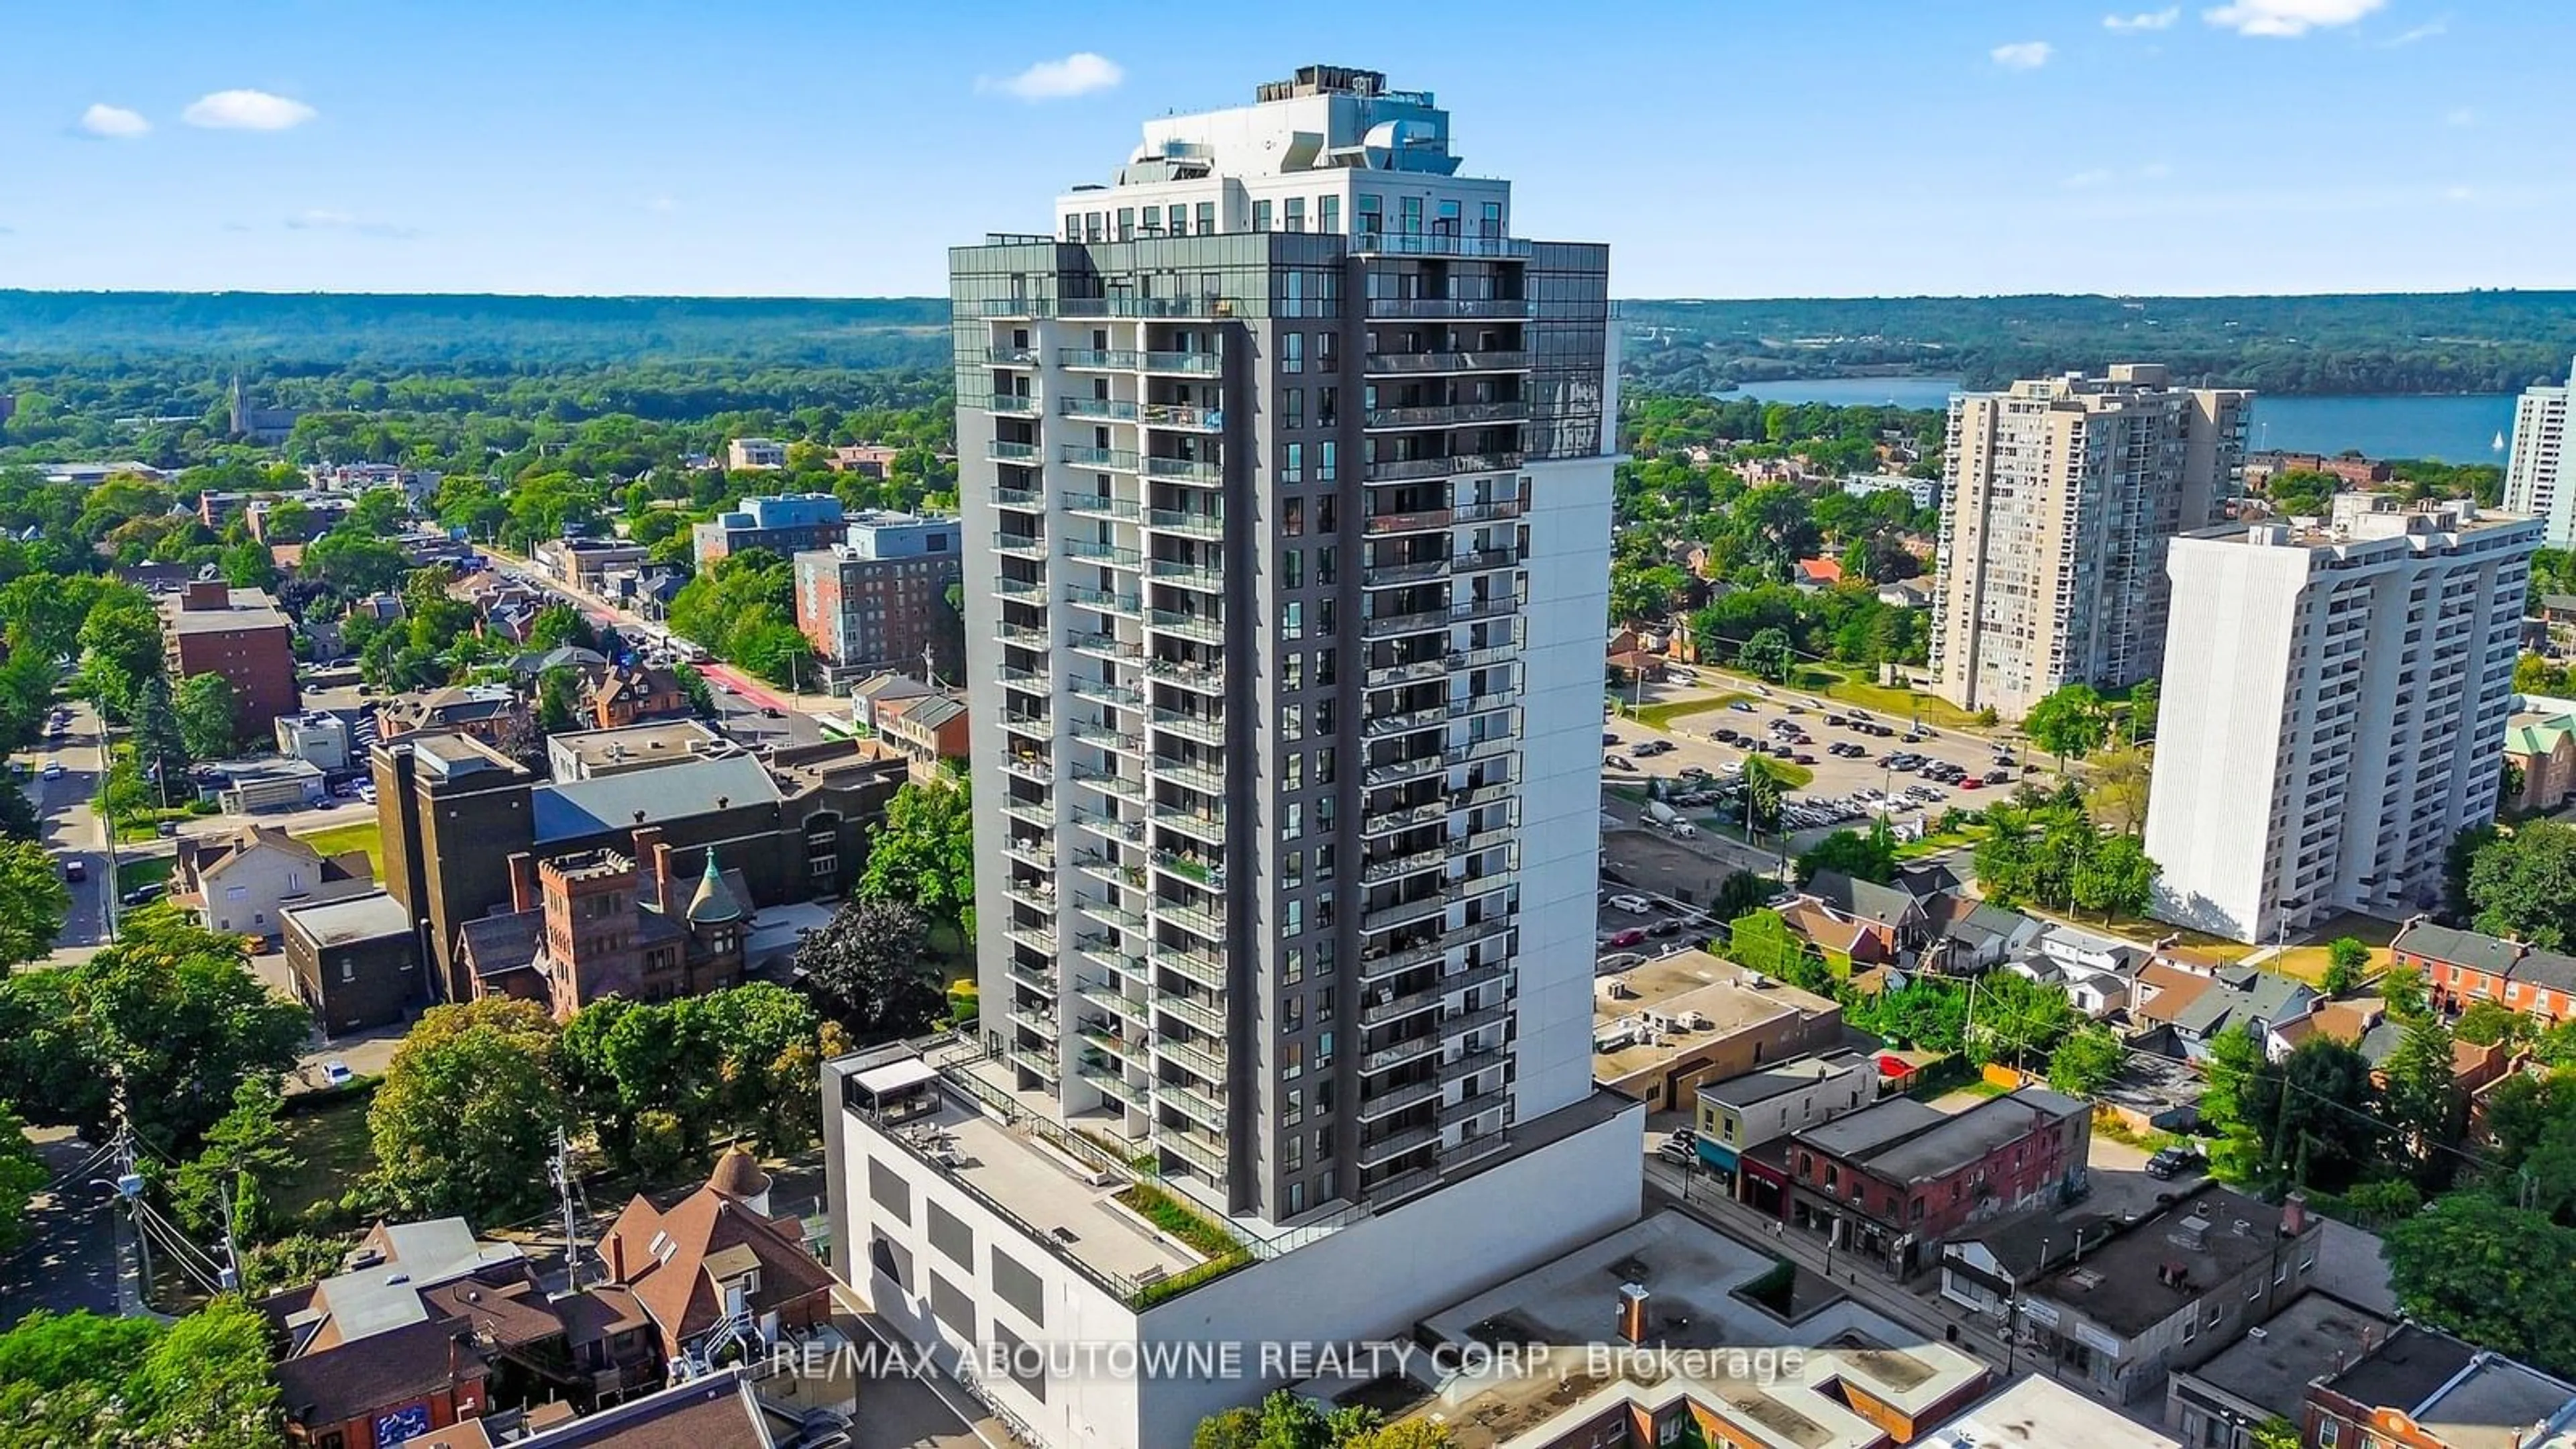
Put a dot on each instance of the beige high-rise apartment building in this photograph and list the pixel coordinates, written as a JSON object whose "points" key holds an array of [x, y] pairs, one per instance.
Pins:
{"points": [[2059, 497]]}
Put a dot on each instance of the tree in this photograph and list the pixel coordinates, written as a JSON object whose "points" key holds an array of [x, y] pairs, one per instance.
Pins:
{"points": [[1290, 1421], [557, 625], [2402, 987], [2421, 1100], [2122, 778], [2145, 704], [208, 719], [2492, 1023], [80, 1379], [465, 1118], [2346, 962], [924, 852], [33, 899], [2275, 1433], [353, 564], [171, 1012], [22, 1175], [1762, 788], [2069, 722], [2226, 1106], [120, 649], [249, 565], [2085, 1062], [873, 969], [1767, 655], [2116, 878], [2523, 885], [158, 747], [1404, 1434], [2491, 1273], [2014, 1018], [558, 701], [1741, 892], [244, 1160], [2313, 1114], [1870, 857]]}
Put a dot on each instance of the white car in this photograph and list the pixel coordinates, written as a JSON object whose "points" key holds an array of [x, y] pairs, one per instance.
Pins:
{"points": [[53, 770], [335, 1072], [1634, 905]]}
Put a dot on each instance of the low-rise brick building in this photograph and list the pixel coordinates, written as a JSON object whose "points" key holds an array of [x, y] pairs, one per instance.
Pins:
{"points": [[241, 634], [356, 962], [2462, 968], [2424, 1389]]}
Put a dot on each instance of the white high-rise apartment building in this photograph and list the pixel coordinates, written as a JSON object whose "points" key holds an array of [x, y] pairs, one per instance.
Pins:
{"points": [[2334, 709], [1285, 468], [2058, 496], [2535, 468]]}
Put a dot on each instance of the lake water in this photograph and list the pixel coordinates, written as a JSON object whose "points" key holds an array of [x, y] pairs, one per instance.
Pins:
{"points": [[2454, 428]]}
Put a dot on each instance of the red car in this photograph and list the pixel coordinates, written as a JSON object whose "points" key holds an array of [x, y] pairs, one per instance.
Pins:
{"points": [[1633, 935], [1972, 783]]}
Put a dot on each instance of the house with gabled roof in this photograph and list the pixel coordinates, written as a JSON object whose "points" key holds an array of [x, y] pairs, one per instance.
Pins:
{"points": [[718, 1275]]}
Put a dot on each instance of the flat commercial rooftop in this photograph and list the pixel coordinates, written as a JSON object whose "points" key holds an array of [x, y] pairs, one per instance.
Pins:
{"points": [[1694, 1324], [2036, 1411], [2314, 1336], [1721, 995], [365, 918]]}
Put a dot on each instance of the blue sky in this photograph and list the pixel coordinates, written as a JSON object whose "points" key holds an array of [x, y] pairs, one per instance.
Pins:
{"points": [[1724, 147]]}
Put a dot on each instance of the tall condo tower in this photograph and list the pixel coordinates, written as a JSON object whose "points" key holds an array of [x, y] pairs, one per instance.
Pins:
{"points": [[1285, 467]]}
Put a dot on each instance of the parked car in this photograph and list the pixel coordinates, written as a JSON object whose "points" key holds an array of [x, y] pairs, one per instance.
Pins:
{"points": [[1634, 905], [1679, 1154], [1622, 961], [75, 871], [1741, 706], [1628, 936], [336, 1073], [53, 770], [1620, 762], [145, 894], [1609, 738], [1654, 747], [2173, 1161], [1665, 927]]}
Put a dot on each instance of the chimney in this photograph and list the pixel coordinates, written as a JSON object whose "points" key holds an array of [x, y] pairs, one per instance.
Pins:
{"points": [[1632, 1312], [523, 882], [663, 889], [2294, 1214], [613, 1248], [648, 856]]}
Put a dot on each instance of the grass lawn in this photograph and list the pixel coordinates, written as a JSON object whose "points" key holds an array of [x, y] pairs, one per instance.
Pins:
{"points": [[360, 836], [1897, 704], [2143, 930], [331, 1151], [131, 874], [1661, 714], [2308, 963], [1938, 841]]}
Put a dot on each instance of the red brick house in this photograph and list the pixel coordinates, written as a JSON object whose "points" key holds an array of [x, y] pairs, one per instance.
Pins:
{"points": [[1892, 1182], [717, 1274], [2420, 1388], [625, 696], [2462, 968]]}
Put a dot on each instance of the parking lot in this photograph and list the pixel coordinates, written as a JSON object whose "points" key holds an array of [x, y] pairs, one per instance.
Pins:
{"points": [[1862, 765], [1638, 924]]}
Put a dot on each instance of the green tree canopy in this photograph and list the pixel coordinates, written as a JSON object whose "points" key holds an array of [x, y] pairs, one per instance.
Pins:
{"points": [[1870, 857], [872, 966], [2069, 722], [464, 1121], [923, 854], [33, 899], [2523, 885], [207, 717]]}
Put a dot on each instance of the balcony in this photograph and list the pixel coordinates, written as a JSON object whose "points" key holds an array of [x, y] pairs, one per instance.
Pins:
{"points": [[1396, 772], [1429, 520], [1493, 607], [1465, 1022], [1104, 646], [1479, 750], [1100, 505], [1199, 968], [1007, 402], [1011, 356], [1204, 1016], [1187, 470], [1436, 307], [1397, 1008], [1480, 560], [1200, 728], [1129, 1049], [1097, 407], [1419, 671], [1388, 626], [1480, 658], [1202, 364], [1182, 415], [1201, 825], [1129, 606], [1027, 590], [1469, 1108], [1040, 939], [1400, 914], [1093, 359], [1110, 781], [1205, 628], [1419, 362], [1029, 726], [1385, 726], [1387, 822], [1396, 1099], [1021, 634], [1382, 871], [1040, 813], [1110, 554], [1039, 1060], [1113, 1082], [1478, 704], [1388, 1058], [1446, 415], [1404, 469], [1027, 500], [1116, 917], [1207, 925], [1478, 842], [1101, 691], [1378, 1151], [1186, 521], [1030, 766], [1193, 777], [1486, 512], [1039, 977], [1205, 1153], [1020, 545], [1199, 576], [1194, 1104], [1199, 677], [1108, 998], [1102, 737], [1121, 459], [1109, 826], [1031, 850], [1007, 452], [1205, 1056], [1438, 244], [1105, 953], [1129, 305], [1396, 576]]}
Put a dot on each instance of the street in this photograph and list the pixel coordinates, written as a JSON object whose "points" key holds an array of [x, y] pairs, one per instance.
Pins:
{"points": [[73, 830], [69, 1260]]}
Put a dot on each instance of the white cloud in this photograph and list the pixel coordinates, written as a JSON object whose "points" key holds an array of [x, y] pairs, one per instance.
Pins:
{"points": [[2459, 193], [323, 218], [2439, 25], [661, 203], [2144, 20], [2285, 19], [114, 123], [1078, 74], [247, 111], [2082, 179], [2460, 117], [2022, 54]]}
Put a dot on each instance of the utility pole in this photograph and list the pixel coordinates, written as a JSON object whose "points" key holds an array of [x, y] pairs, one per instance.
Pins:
{"points": [[561, 1171], [230, 1278]]}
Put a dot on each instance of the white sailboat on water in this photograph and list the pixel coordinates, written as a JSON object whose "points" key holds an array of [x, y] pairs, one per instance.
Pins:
{"points": [[2498, 444]]}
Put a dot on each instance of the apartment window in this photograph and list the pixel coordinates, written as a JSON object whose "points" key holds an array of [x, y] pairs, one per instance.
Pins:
{"points": [[1292, 1014], [1292, 568], [1261, 216], [1292, 462], [1126, 223], [1324, 964], [1207, 218], [1412, 214], [1020, 1288], [1493, 218], [1296, 1196], [1292, 825], [952, 1307], [1292, 619], [1292, 965], [1447, 225], [348, 969], [1292, 1152], [890, 1191], [1328, 463], [1372, 214], [1292, 771], [1327, 403], [1292, 517], [1327, 661], [1323, 1007], [1178, 217], [1292, 408], [1093, 226], [1292, 724], [1328, 213], [1292, 1107], [1292, 1060], [1323, 1050], [1072, 226], [954, 1240], [1292, 866], [1296, 213], [1292, 352], [1292, 671], [1324, 350], [2327, 1429]]}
